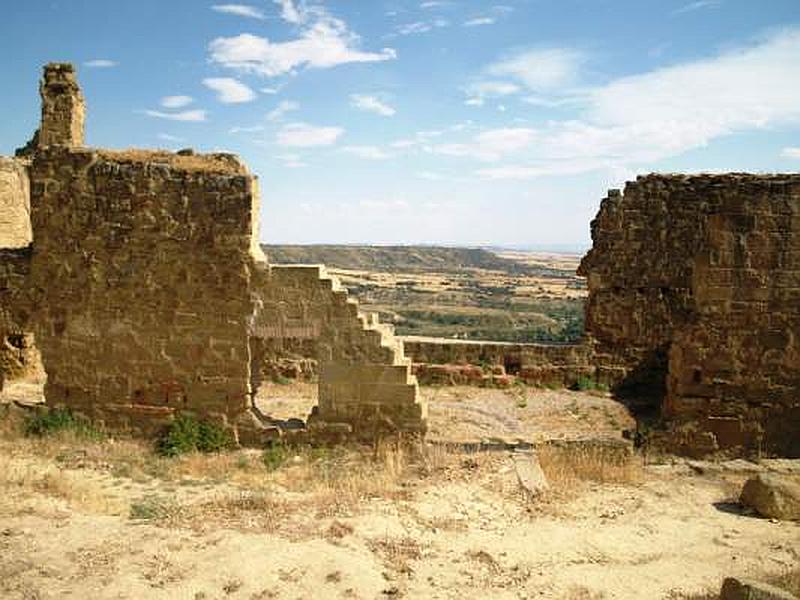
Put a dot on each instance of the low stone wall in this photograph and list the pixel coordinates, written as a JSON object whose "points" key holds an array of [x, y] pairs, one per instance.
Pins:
{"points": [[443, 361]]}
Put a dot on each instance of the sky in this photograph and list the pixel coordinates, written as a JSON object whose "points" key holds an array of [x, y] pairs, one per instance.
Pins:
{"points": [[481, 123]]}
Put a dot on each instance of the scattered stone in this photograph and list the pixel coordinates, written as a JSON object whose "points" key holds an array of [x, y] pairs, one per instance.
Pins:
{"points": [[772, 496], [745, 589]]}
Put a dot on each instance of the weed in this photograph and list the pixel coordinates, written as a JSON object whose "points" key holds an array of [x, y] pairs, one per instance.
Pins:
{"points": [[281, 380], [61, 420], [187, 434], [274, 457], [587, 384], [150, 508]]}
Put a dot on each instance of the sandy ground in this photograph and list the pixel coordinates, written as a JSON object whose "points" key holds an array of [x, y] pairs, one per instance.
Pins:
{"points": [[451, 525], [471, 414]]}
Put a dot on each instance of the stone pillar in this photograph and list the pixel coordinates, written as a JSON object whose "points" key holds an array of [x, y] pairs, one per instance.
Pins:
{"points": [[63, 108]]}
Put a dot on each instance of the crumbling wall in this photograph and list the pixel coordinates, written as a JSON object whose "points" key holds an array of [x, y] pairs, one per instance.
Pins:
{"points": [[365, 382], [140, 282], [693, 282], [443, 361], [63, 107]]}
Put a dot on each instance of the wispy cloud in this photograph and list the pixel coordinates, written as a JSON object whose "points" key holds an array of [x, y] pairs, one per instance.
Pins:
{"points": [[229, 90], [100, 63], [436, 4], [543, 69], [644, 118], [176, 101], [283, 107], [371, 104], [240, 10], [479, 91], [246, 129], [699, 5], [790, 152], [478, 21], [366, 152], [324, 42], [491, 145], [303, 135], [421, 26], [186, 115]]}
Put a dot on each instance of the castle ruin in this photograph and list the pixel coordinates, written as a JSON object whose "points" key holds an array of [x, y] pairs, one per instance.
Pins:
{"points": [[140, 278]]}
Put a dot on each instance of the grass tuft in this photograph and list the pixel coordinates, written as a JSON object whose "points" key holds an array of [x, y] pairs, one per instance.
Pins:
{"points": [[187, 434]]}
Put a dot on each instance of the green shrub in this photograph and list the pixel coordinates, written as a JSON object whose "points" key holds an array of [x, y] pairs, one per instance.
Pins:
{"points": [[187, 434], [60, 420], [274, 457], [281, 380], [587, 384]]}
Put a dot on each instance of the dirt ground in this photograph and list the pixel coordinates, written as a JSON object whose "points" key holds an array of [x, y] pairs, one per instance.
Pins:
{"points": [[82, 518]]}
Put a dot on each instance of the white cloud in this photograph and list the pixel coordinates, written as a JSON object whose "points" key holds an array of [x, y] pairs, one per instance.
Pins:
{"points": [[421, 26], [229, 90], [241, 10], [366, 152], [291, 13], [478, 21], [435, 4], [324, 42], [790, 153], [283, 107], [186, 115], [371, 104], [479, 91], [700, 4], [541, 70], [100, 63], [246, 129], [304, 135], [176, 101], [644, 118], [491, 145], [271, 91]]}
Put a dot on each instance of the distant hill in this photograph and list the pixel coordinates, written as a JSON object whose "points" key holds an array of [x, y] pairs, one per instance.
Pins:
{"points": [[401, 259]]}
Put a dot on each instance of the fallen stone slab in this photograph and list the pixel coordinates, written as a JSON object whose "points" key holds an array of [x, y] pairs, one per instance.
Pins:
{"points": [[746, 589], [772, 496], [529, 473]]}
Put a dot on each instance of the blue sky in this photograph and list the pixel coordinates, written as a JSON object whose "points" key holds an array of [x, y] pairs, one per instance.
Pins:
{"points": [[387, 121]]}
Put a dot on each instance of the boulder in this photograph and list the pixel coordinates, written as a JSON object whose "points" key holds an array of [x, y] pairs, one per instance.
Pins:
{"points": [[772, 496], [745, 589]]}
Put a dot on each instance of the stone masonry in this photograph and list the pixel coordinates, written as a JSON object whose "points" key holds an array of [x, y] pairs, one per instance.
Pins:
{"points": [[148, 294], [694, 288]]}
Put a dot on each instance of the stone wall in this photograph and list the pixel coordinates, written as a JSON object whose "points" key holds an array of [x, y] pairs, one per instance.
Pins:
{"points": [[365, 381], [443, 361], [694, 291], [140, 281], [63, 107]]}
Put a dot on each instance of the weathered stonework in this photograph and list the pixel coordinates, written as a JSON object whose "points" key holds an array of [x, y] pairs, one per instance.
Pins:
{"points": [[63, 107], [149, 295], [500, 364], [694, 288]]}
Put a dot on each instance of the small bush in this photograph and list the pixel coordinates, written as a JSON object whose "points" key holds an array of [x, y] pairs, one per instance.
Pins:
{"points": [[281, 380], [187, 434], [150, 508], [587, 384], [274, 457], [60, 420]]}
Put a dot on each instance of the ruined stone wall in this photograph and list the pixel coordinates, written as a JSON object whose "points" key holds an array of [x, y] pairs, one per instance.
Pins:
{"points": [[365, 382], [15, 206], [140, 282], [693, 281], [443, 361], [63, 107]]}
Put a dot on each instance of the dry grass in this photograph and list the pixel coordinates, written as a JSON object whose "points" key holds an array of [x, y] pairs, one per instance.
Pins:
{"points": [[567, 467]]}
